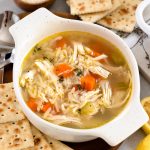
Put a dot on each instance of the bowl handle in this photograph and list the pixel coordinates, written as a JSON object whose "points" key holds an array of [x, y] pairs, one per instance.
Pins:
{"points": [[139, 16], [33, 26], [123, 126]]}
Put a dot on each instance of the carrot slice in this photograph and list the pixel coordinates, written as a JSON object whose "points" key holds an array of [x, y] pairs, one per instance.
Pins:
{"points": [[60, 43], [32, 104], [63, 70], [97, 77], [88, 82], [46, 106], [95, 49], [94, 53]]}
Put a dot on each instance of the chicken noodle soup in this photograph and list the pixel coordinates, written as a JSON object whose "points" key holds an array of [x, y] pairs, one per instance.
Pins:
{"points": [[75, 79]]}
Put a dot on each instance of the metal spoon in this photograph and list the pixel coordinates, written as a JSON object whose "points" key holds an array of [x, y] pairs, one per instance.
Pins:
{"points": [[7, 61], [7, 19]]}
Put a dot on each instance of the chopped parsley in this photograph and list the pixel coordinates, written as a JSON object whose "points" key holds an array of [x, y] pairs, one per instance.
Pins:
{"points": [[46, 58], [78, 72], [79, 87], [37, 49]]}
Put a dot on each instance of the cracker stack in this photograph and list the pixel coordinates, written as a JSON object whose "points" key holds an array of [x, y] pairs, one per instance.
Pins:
{"points": [[16, 133], [114, 14]]}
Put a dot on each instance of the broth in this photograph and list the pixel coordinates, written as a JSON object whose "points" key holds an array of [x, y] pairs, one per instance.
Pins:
{"points": [[76, 79]]}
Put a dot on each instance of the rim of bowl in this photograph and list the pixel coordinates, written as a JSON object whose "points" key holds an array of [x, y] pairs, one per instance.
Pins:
{"points": [[134, 94]]}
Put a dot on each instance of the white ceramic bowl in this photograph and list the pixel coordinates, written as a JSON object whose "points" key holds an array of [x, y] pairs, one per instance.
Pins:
{"points": [[144, 6], [42, 23]]}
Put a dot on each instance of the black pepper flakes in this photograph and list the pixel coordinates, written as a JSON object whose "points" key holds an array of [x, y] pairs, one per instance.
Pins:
{"points": [[61, 79], [37, 141], [36, 49]]}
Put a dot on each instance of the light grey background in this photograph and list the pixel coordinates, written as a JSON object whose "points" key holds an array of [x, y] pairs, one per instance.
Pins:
{"points": [[60, 5]]}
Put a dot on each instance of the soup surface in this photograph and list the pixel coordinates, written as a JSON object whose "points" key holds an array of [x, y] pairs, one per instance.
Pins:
{"points": [[75, 79]]}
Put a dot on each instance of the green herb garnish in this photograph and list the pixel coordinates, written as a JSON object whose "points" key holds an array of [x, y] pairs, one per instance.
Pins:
{"points": [[37, 48], [79, 87], [46, 58], [79, 72]]}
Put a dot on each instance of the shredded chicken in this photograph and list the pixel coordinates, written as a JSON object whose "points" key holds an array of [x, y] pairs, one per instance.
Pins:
{"points": [[67, 96], [100, 57], [62, 119], [100, 71], [47, 69], [120, 73], [80, 48], [75, 53], [27, 77], [106, 92]]}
